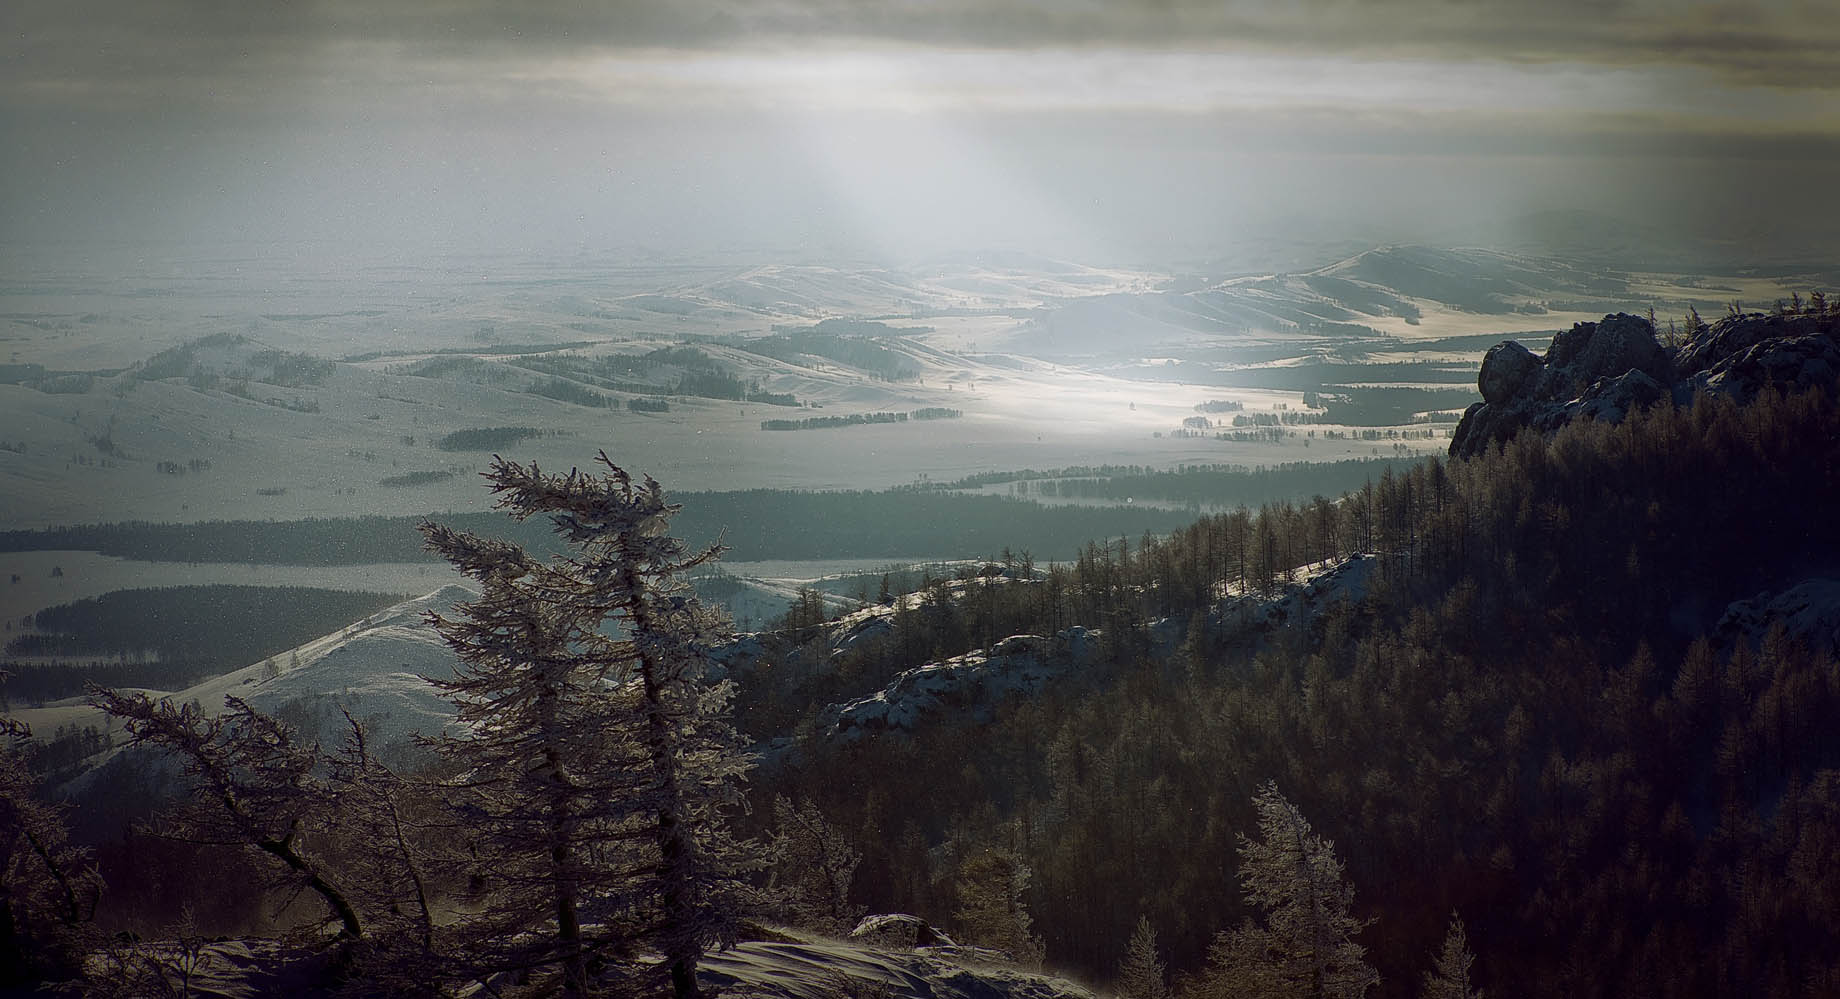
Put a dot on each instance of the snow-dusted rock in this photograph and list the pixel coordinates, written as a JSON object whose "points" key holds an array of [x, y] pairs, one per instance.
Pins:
{"points": [[1609, 369], [1505, 368], [1808, 611], [824, 970], [898, 929], [860, 629], [1296, 604], [970, 686]]}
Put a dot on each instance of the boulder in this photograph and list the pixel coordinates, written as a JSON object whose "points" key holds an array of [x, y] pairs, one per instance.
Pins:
{"points": [[1809, 613], [1613, 399], [1789, 363], [1605, 349], [898, 929], [1505, 368], [1733, 335], [1483, 426]]}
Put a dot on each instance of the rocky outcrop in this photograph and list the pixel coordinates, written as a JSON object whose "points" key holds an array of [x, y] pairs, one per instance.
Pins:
{"points": [[1607, 369], [899, 930], [1809, 613], [974, 686], [816, 968], [1505, 368], [970, 686]]}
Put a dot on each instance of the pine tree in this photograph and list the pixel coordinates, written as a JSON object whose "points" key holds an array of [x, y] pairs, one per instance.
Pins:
{"points": [[1304, 947], [1449, 978], [1141, 975], [991, 911], [598, 759]]}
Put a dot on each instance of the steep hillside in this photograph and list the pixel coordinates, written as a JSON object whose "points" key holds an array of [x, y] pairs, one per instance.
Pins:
{"points": [[1603, 370], [1584, 701]]}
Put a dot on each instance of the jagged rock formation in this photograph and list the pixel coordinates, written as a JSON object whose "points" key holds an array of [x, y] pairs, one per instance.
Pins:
{"points": [[1255, 617], [1809, 613], [971, 685], [1605, 370], [898, 929], [819, 969]]}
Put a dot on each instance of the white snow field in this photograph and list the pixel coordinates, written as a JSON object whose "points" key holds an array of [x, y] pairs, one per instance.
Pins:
{"points": [[1044, 359]]}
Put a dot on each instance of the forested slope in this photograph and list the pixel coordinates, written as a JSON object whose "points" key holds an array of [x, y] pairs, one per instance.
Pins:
{"points": [[1528, 719]]}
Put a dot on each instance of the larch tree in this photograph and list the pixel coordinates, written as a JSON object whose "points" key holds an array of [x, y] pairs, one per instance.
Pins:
{"points": [[48, 888], [254, 784], [388, 837], [597, 762], [1449, 977], [1142, 974], [1305, 946], [813, 868], [991, 911]]}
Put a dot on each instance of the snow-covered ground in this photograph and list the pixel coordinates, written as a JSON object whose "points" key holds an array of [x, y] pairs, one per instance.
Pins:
{"points": [[1026, 348], [798, 968], [374, 668]]}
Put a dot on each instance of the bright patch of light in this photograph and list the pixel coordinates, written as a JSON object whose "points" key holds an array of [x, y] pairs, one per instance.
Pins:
{"points": [[915, 79]]}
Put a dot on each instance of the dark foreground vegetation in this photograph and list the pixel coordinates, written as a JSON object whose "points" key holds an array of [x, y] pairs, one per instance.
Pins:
{"points": [[1531, 752]]}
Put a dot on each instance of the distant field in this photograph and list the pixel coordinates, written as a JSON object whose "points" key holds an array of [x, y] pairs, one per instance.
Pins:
{"points": [[168, 638], [256, 393]]}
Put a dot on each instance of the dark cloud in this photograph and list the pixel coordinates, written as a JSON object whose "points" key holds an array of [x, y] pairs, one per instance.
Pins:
{"points": [[98, 51]]}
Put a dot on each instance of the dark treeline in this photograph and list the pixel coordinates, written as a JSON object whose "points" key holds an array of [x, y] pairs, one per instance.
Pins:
{"points": [[487, 438], [754, 524], [1214, 484], [828, 422], [862, 419], [170, 637], [1318, 374], [689, 372], [1387, 406], [1519, 721], [1342, 387], [857, 352]]}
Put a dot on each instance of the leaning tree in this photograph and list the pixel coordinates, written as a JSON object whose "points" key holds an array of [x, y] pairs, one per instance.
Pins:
{"points": [[595, 762]]}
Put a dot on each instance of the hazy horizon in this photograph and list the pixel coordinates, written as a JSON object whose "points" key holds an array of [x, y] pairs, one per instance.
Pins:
{"points": [[1127, 134]]}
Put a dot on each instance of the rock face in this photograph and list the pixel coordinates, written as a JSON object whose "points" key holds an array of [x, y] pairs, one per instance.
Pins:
{"points": [[825, 969], [1505, 368], [969, 686], [1808, 611], [1607, 369]]}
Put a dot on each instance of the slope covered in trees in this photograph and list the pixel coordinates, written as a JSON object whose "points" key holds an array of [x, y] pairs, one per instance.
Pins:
{"points": [[1529, 718], [1535, 753]]}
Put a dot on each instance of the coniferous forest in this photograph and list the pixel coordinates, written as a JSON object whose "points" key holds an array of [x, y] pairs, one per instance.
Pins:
{"points": [[1526, 755], [1529, 720]]}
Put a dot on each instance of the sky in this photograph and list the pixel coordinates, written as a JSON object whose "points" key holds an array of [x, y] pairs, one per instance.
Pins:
{"points": [[1161, 130]]}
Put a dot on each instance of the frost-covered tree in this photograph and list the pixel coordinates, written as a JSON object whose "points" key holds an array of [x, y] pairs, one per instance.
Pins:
{"points": [[597, 760], [813, 866], [1305, 946], [391, 845], [991, 911], [1449, 977], [1142, 974], [48, 888], [253, 784]]}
